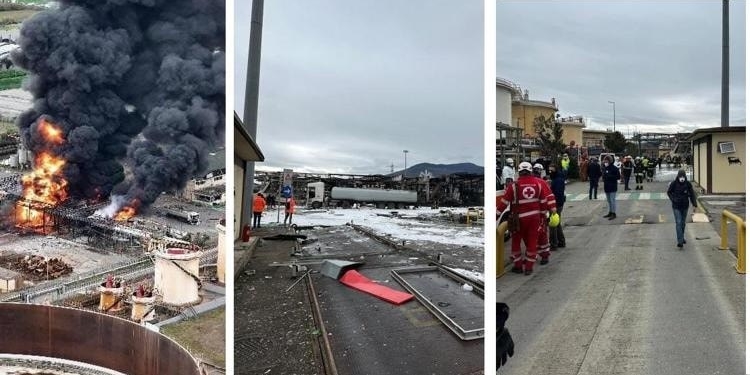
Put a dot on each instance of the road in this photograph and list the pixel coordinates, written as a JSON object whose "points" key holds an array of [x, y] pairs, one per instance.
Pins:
{"points": [[621, 298]]}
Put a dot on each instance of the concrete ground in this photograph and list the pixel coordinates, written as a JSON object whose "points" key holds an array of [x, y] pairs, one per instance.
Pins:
{"points": [[275, 330], [622, 298]]}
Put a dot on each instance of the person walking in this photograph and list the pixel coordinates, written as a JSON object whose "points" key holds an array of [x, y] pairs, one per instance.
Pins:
{"points": [[259, 205], [595, 172], [289, 210], [627, 171], [565, 166], [527, 198], [681, 193], [639, 170], [610, 175], [557, 182], [508, 173]]}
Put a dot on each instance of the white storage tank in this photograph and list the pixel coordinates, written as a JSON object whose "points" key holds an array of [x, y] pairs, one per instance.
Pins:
{"points": [[23, 156], [176, 276], [221, 262], [13, 162], [374, 195], [143, 307]]}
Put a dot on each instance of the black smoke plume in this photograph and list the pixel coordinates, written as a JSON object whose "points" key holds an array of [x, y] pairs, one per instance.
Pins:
{"points": [[137, 87]]}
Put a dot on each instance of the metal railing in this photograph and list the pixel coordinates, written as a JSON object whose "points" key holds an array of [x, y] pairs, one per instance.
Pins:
{"points": [[726, 216], [500, 249]]}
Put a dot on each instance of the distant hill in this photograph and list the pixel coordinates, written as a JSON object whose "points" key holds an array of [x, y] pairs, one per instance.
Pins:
{"points": [[439, 170]]}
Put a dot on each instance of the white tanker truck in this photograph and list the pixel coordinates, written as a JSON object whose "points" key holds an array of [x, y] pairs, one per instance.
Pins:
{"points": [[346, 197]]}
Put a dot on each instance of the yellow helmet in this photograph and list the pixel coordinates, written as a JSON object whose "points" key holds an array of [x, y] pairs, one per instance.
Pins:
{"points": [[554, 220]]}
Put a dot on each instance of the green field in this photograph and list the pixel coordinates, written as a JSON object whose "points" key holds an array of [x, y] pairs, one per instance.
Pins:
{"points": [[11, 79], [202, 336]]}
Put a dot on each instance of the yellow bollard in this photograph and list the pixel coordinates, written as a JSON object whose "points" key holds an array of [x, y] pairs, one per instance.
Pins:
{"points": [[500, 250], [740, 267], [726, 215]]}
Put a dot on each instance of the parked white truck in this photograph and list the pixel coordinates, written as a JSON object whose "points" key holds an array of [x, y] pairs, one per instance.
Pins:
{"points": [[346, 197]]}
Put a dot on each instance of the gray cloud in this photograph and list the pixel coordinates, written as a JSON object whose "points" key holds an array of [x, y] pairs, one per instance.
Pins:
{"points": [[346, 86], [660, 62]]}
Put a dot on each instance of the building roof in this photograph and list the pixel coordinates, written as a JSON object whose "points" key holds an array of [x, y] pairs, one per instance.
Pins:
{"points": [[508, 85], [594, 131], [700, 133], [6, 274], [244, 145], [536, 103]]}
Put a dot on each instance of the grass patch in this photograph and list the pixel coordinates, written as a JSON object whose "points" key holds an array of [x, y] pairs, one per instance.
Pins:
{"points": [[11, 79], [203, 337], [16, 16]]}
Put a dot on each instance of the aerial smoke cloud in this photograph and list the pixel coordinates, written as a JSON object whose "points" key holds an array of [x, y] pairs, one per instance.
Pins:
{"points": [[137, 86]]}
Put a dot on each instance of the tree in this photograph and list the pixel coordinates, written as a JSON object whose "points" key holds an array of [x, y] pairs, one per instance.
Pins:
{"points": [[615, 142], [550, 136]]}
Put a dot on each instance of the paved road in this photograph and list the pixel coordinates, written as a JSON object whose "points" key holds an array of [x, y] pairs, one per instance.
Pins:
{"points": [[623, 299]]}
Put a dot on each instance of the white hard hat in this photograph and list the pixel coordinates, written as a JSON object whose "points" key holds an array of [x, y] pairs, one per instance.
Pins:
{"points": [[525, 166], [538, 166], [509, 161]]}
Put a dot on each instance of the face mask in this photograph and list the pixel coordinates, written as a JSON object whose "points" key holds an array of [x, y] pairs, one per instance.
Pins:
{"points": [[606, 164], [682, 179]]}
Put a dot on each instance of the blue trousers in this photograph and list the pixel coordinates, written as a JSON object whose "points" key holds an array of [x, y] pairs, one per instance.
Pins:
{"points": [[611, 202], [680, 216]]}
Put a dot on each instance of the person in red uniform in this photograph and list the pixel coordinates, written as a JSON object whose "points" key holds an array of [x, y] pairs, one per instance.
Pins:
{"points": [[542, 245], [259, 205], [533, 199], [289, 210]]}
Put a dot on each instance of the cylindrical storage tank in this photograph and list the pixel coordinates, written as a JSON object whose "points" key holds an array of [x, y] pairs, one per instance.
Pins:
{"points": [[143, 309], [374, 195], [14, 161], [23, 156], [176, 276], [89, 337], [110, 299], [221, 261]]}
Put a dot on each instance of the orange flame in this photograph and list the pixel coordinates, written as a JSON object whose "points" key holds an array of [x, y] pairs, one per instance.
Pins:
{"points": [[45, 185], [128, 211], [50, 132]]}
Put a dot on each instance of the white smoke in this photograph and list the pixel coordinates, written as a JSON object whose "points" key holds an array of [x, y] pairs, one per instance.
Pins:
{"points": [[112, 208]]}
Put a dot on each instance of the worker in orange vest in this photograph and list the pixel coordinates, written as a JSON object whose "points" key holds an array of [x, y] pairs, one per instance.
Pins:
{"points": [[289, 210], [259, 205]]}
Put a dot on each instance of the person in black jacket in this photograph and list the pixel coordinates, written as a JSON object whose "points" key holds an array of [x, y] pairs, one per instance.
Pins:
{"points": [[681, 194], [557, 183], [610, 176], [504, 342], [595, 172]]}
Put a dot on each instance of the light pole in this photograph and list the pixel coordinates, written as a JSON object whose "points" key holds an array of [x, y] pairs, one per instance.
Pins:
{"points": [[614, 128], [405, 152]]}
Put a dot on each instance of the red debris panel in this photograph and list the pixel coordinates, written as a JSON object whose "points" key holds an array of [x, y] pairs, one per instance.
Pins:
{"points": [[358, 281]]}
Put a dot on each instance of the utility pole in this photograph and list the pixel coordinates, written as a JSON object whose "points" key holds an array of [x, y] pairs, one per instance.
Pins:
{"points": [[725, 64], [614, 127], [405, 152], [252, 85]]}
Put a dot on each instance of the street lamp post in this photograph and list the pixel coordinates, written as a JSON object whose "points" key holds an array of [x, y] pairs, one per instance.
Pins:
{"points": [[405, 152], [614, 127]]}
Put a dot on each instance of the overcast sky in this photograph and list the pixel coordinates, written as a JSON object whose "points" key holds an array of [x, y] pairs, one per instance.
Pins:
{"points": [[346, 86], [659, 62]]}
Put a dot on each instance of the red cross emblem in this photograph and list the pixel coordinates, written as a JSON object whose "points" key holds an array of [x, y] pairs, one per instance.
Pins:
{"points": [[528, 192]]}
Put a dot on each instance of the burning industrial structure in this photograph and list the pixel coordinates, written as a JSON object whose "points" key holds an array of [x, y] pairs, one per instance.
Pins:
{"points": [[128, 99]]}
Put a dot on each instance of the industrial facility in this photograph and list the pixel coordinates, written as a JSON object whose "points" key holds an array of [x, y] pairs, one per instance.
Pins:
{"points": [[112, 221]]}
